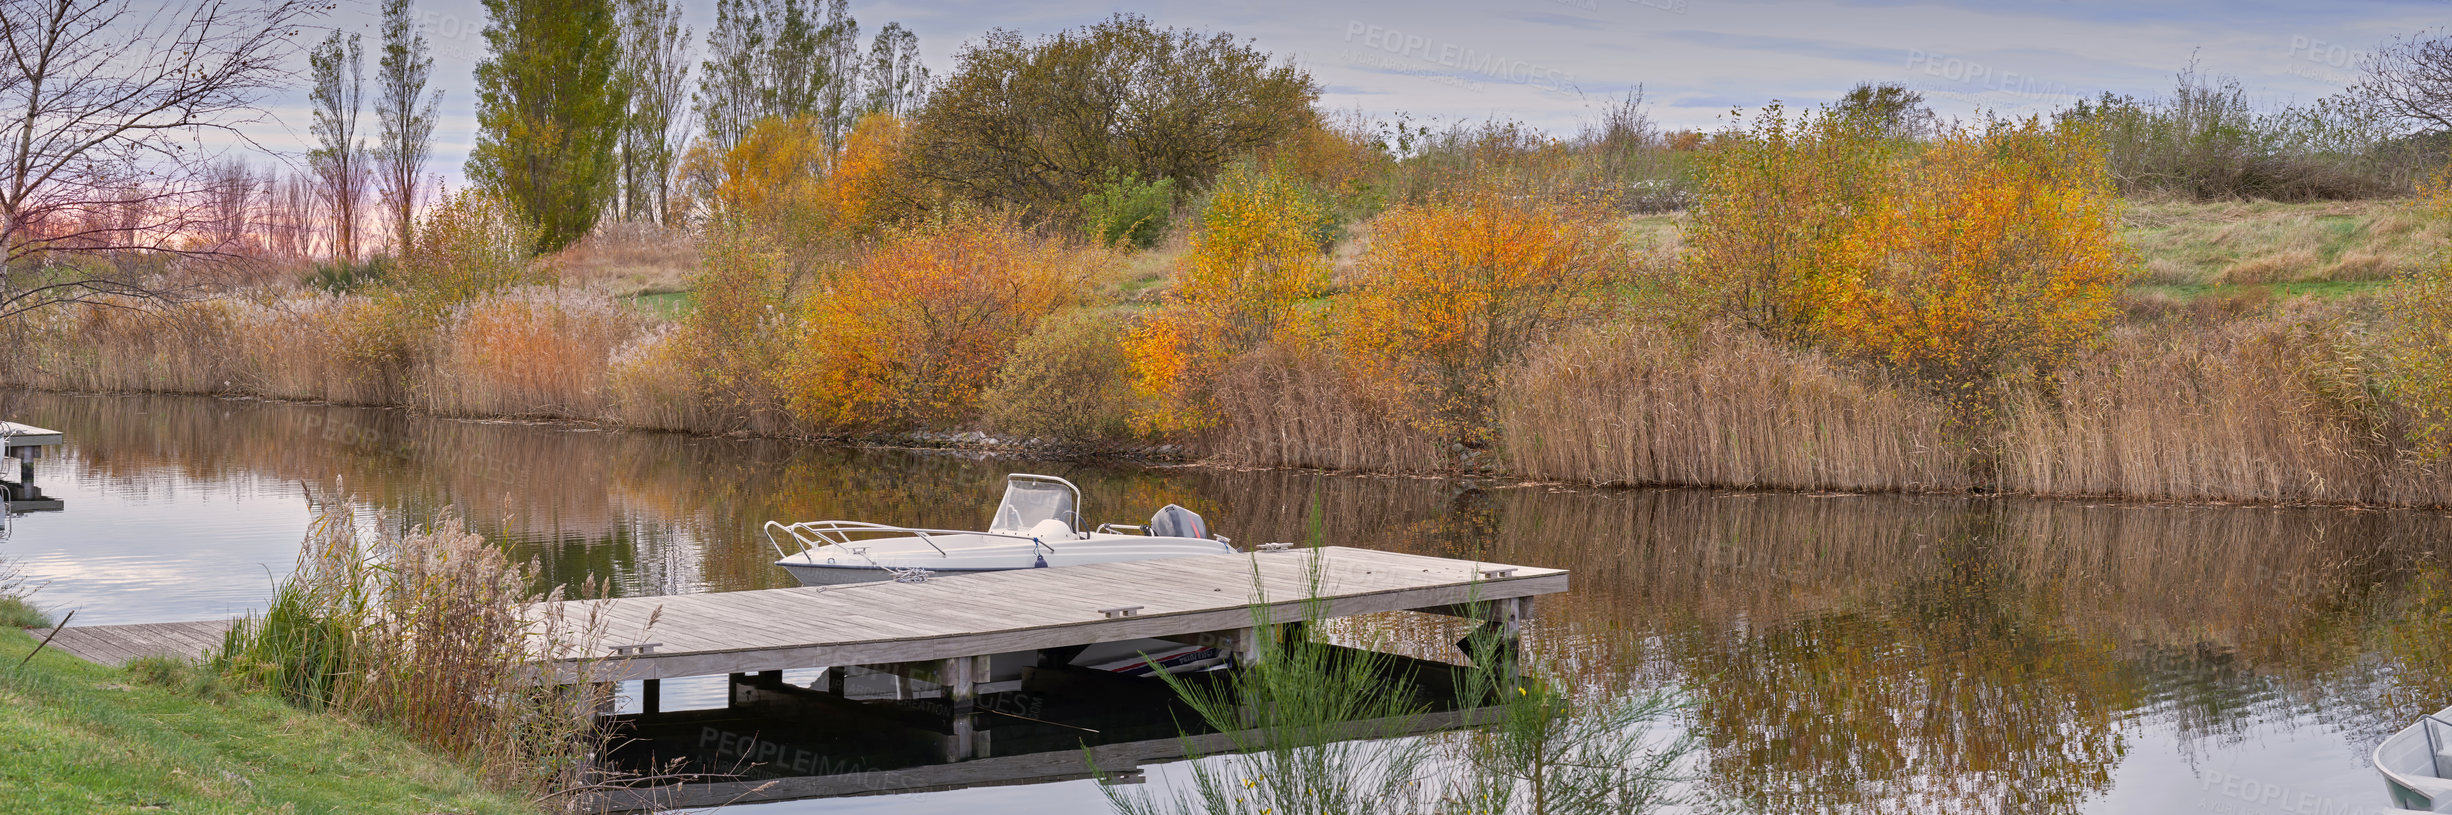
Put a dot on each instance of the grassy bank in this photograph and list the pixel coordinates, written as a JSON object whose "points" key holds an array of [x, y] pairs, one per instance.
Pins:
{"points": [[85, 738]]}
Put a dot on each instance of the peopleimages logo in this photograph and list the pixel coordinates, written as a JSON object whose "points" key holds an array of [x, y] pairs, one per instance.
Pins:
{"points": [[1455, 57]]}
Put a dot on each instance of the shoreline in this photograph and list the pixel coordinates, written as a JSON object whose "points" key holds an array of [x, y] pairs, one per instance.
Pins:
{"points": [[1179, 456]]}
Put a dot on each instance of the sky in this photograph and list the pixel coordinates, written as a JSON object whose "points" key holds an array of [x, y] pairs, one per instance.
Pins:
{"points": [[1554, 64]]}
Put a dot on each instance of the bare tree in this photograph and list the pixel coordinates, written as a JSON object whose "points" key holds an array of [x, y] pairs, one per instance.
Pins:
{"points": [[103, 106], [655, 64], [291, 217], [897, 81], [404, 116], [339, 159], [2410, 79], [234, 190]]}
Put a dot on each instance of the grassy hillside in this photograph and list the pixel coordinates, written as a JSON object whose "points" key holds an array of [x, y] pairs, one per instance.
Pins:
{"points": [[85, 738]]}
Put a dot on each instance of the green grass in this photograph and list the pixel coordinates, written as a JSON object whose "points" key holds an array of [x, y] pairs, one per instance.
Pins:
{"points": [[2321, 289], [79, 737], [664, 305]]}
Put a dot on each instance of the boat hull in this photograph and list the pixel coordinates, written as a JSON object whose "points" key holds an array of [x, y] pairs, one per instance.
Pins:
{"points": [[877, 560]]}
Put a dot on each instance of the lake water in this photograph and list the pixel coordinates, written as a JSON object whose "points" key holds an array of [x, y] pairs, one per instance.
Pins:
{"points": [[1845, 653]]}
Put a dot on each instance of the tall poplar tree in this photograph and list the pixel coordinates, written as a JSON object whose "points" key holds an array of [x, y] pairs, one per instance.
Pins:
{"points": [[404, 115], [549, 112], [337, 68], [655, 68]]}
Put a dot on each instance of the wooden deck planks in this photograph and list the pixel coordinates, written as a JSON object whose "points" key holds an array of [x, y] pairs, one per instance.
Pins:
{"points": [[950, 615], [121, 644], [994, 612]]}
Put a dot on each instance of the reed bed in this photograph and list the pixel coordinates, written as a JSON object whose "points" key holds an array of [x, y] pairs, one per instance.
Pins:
{"points": [[2276, 409], [1297, 408], [1642, 407], [429, 633]]}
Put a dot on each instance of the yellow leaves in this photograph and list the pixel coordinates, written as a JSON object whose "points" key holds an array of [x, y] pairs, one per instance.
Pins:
{"points": [[1989, 250], [1449, 293], [1255, 259], [2418, 339], [914, 332]]}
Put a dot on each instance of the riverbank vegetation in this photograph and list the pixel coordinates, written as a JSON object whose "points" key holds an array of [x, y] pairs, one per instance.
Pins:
{"points": [[2182, 297], [167, 735]]}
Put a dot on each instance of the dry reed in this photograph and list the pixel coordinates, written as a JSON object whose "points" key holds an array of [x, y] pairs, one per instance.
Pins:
{"points": [[2274, 408], [1293, 408], [431, 633], [1641, 407]]}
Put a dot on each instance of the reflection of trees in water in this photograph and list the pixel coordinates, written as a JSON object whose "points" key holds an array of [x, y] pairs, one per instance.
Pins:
{"points": [[1846, 648], [1952, 694]]}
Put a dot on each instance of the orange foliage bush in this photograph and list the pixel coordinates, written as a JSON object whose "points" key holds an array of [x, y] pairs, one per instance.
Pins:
{"points": [[871, 186], [1451, 293], [1991, 251], [912, 334], [1255, 260]]}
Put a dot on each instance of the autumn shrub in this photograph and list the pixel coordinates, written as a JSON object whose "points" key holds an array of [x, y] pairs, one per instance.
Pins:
{"points": [[1997, 253], [734, 341], [1450, 294], [469, 245], [2418, 335], [872, 184], [1779, 197], [1128, 212], [1983, 257], [1253, 262], [1067, 381], [911, 335]]}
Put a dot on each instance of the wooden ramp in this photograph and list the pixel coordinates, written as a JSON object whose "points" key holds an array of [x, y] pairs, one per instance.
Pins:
{"points": [[119, 644], [949, 620]]}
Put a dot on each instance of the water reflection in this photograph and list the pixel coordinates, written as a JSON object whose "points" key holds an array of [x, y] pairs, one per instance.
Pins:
{"points": [[1848, 653]]}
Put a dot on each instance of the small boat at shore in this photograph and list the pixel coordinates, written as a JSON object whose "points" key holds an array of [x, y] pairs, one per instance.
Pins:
{"points": [[1036, 526], [2417, 764]]}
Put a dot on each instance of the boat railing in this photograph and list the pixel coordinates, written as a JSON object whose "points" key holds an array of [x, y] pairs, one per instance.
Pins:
{"points": [[813, 534], [1122, 529], [2434, 746]]}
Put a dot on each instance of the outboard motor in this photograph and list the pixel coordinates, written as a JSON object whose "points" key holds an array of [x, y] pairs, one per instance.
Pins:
{"points": [[1176, 522]]}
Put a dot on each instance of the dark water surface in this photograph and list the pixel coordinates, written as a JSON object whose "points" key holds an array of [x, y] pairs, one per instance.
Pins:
{"points": [[1845, 653]]}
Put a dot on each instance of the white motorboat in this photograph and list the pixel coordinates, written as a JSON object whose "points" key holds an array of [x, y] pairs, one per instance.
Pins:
{"points": [[2417, 764], [1036, 526]]}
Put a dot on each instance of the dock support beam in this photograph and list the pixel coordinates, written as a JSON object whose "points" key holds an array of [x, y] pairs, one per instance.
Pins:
{"points": [[651, 696]]}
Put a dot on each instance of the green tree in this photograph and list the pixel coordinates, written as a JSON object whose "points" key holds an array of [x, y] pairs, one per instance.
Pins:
{"points": [[1889, 109], [404, 118], [1038, 124], [549, 112]]}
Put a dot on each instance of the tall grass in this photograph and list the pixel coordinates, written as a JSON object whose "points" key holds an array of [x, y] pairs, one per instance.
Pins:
{"points": [[431, 633], [1728, 408], [1318, 729], [2281, 408], [1297, 407]]}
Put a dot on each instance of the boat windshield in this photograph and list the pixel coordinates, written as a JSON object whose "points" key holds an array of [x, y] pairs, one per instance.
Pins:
{"points": [[1030, 501]]}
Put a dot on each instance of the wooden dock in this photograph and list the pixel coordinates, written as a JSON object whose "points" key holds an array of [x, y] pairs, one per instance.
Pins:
{"points": [[975, 615], [951, 624]]}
